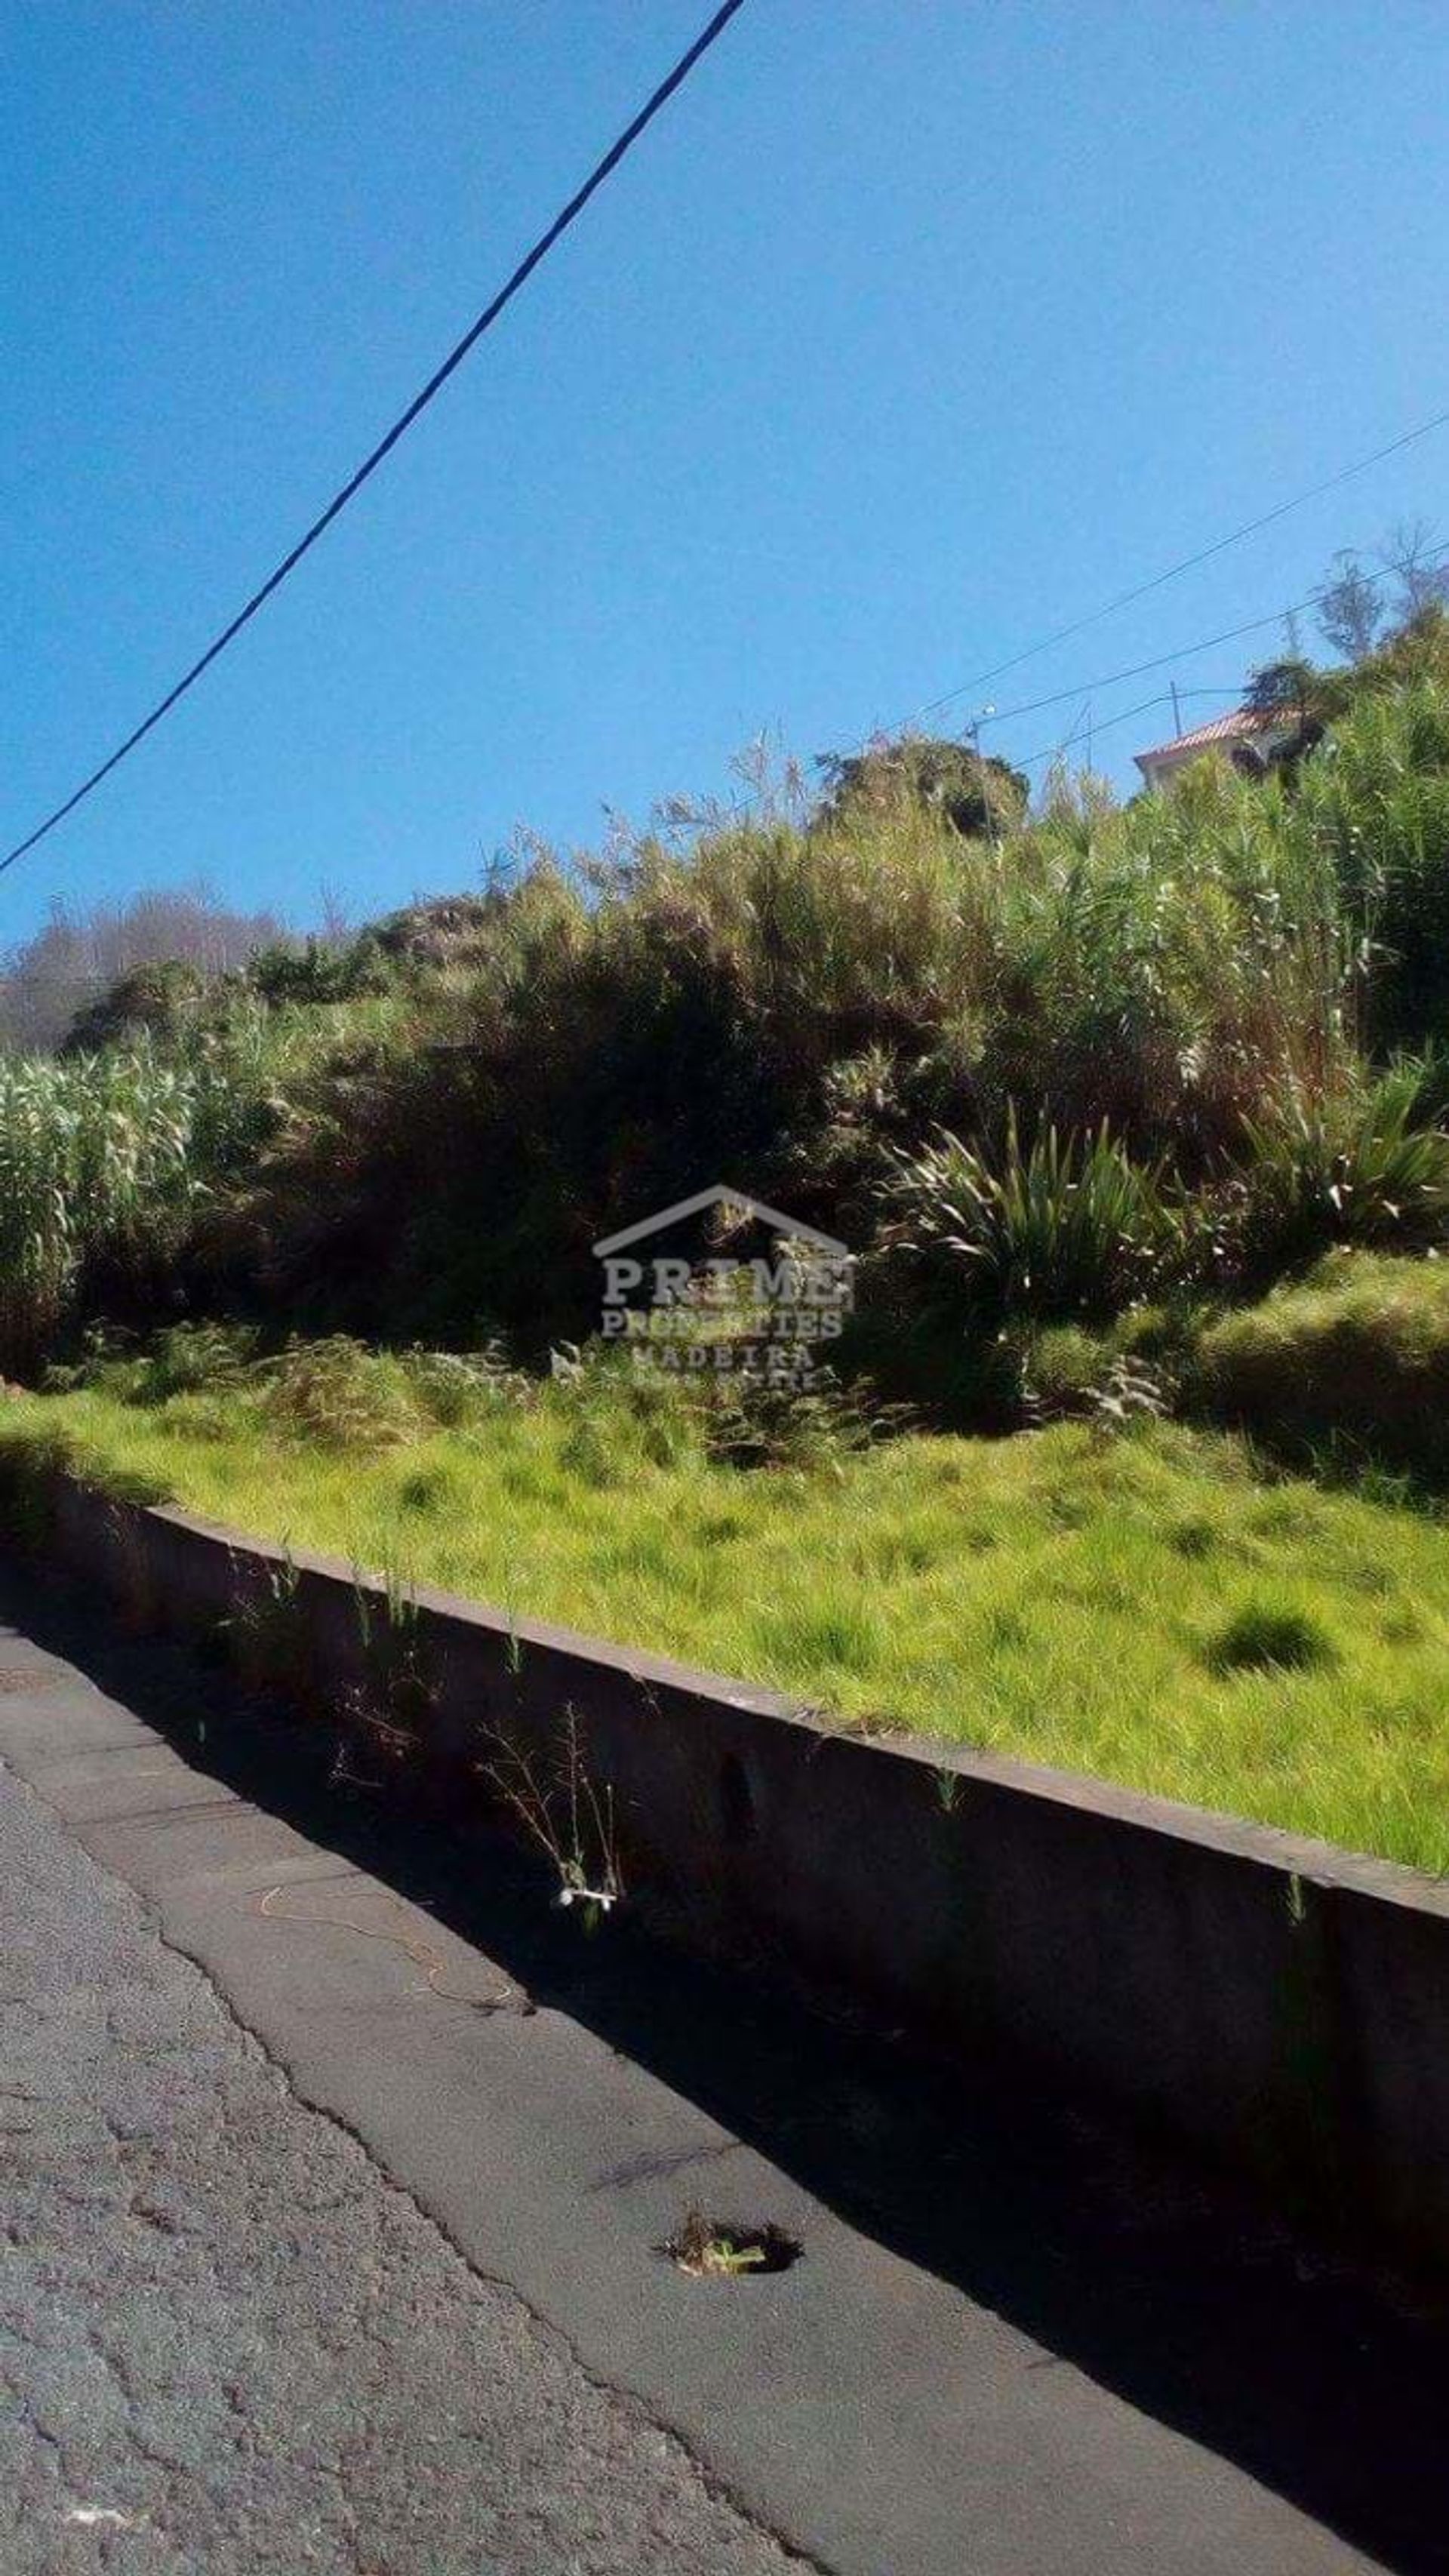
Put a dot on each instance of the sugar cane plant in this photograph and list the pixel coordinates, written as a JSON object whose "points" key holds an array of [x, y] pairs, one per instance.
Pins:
{"points": [[104, 1159]]}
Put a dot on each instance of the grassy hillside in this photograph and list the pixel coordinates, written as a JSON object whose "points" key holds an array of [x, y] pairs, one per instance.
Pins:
{"points": [[431, 1125], [1135, 1119], [1148, 1605]]}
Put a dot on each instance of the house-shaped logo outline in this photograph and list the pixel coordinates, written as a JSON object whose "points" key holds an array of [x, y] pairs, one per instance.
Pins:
{"points": [[736, 1200]]}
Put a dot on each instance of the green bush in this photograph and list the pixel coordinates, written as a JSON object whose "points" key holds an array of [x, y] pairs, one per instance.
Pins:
{"points": [[317, 972], [1064, 1368], [1353, 1361], [977, 794], [188, 1359], [1350, 1167], [338, 1393], [160, 1000], [1067, 1226]]}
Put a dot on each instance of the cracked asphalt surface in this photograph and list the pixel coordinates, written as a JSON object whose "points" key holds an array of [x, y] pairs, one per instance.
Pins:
{"points": [[228, 2341], [308, 2261]]}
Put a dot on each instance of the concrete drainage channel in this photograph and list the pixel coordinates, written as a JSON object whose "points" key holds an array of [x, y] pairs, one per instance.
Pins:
{"points": [[1269, 2002]]}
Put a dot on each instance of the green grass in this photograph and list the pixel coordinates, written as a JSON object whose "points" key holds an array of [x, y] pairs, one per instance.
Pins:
{"points": [[1352, 1362], [1148, 1607]]}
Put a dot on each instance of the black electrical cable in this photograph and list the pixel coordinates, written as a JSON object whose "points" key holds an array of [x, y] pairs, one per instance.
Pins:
{"points": [[526, 266]]}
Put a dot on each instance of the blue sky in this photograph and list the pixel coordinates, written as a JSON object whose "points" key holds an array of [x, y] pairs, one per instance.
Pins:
{"points": [[915, 329]]}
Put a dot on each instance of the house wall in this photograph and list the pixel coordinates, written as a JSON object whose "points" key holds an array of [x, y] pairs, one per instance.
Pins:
{"points": [[1161, 767]]}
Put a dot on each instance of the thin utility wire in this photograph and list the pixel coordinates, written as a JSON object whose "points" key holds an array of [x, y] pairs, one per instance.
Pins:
{"points": [[1205, 554], [1138, 670], [1124, 715], [419, 404], [1103, 724], [1159, 661]]}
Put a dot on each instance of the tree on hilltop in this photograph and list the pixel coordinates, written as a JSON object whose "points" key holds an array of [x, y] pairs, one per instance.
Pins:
{"points": [[975, 793]]}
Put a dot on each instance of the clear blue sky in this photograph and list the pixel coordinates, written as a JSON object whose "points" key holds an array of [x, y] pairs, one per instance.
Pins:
{"points": [[915, 328]]}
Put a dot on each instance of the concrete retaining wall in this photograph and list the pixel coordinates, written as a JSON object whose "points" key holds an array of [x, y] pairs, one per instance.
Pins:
{"points": [[1275, 2002]]}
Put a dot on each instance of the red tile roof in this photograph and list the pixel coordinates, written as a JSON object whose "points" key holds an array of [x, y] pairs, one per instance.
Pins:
{"points": [[1234, 727]]}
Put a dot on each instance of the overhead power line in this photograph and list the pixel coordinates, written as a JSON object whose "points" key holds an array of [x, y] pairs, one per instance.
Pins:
{"points": [[1189, 563], [1084, 689], [1104, 724], [658, 99], [1183, 652], [1138, 670]]}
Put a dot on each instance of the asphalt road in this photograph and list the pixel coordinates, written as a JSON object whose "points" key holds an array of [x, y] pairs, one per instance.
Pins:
{"points": [[228, 2341], [315, 2257]]}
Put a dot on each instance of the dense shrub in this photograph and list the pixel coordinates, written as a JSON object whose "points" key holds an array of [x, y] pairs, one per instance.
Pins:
{"points": [[159, 1001], [1064, 1227], [1169, 1000], [1357, 1165], [317, 971], [974, 793]]}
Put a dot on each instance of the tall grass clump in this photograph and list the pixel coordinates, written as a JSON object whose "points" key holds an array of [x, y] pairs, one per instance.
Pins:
{"points": [[1375, 801], [1168, 967], [103, 1162]]}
